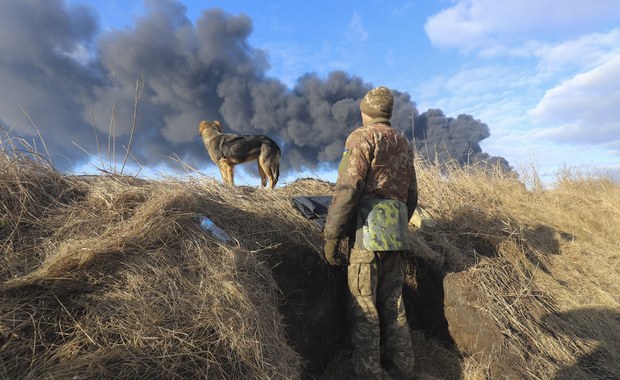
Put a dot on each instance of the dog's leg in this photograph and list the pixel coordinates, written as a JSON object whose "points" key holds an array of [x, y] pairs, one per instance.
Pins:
{"points": [[268, 163], [262, 173], [231, 174], [223, 166], [275, 170], [271, 165], [223, 172]]}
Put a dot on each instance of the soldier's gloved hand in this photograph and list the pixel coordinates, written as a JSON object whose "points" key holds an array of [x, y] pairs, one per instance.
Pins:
{"points": [[330, 252]]}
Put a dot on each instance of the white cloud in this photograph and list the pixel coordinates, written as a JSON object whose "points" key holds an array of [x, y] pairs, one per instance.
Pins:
{"points": [[550, 101], [356, 30], [481, 24], [585, 52], [490, 92], [455, 27], [402, 10], [583, 109], [390, 58], [80, 53]]}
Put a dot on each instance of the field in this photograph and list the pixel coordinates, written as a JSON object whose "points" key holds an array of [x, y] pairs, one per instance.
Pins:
{"points": [[111, 277]]}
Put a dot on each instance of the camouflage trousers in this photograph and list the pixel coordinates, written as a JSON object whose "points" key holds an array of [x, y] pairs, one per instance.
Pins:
{"points": [[379, 329]]}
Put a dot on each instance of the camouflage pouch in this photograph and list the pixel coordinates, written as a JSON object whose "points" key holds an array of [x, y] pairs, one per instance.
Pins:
{"points": [[382, 225]]}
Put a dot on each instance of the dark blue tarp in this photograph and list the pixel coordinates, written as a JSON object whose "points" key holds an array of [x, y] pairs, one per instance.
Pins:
{"points": [[314, 208]]}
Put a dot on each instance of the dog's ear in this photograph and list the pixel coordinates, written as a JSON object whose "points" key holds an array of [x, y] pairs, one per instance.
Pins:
{"points": [[202, 126], [217, 125]]}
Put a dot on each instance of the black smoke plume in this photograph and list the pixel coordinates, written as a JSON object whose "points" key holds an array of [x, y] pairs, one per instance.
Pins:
{"points": [[77, 85], [448, 140]]}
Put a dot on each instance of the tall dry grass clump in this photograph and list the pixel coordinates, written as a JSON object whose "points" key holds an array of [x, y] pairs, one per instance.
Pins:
{"points": [[543, 266], [111, 277]]}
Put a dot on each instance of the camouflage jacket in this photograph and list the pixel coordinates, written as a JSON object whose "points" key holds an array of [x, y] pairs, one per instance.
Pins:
{"points": [[377, 163]]}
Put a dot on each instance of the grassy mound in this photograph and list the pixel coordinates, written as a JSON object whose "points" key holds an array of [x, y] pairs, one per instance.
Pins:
{"points": [[544, 266], [111, 276]]}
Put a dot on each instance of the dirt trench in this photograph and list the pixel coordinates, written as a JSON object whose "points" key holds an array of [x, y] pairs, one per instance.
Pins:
{"points": [[313, 304]]}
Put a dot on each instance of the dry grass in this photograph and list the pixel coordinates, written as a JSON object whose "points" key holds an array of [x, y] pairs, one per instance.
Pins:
{"points": [[111, 277], [546, 263]]}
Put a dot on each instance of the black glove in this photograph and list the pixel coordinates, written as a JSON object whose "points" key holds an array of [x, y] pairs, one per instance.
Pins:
{"points": [[330, 252]]}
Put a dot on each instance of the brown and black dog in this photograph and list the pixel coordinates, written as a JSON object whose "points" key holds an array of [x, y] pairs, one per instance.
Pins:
{"points": [[228, 150]]}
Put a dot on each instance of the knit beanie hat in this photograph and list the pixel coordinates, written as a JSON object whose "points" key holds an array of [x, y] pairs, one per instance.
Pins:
{"points": [[378, 102]]}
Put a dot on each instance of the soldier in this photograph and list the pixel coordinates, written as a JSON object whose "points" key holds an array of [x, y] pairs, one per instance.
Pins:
{"points": [[375, 196]]}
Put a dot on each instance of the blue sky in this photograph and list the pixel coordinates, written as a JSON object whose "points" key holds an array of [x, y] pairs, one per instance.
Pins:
{"points": [[544, 75]]}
